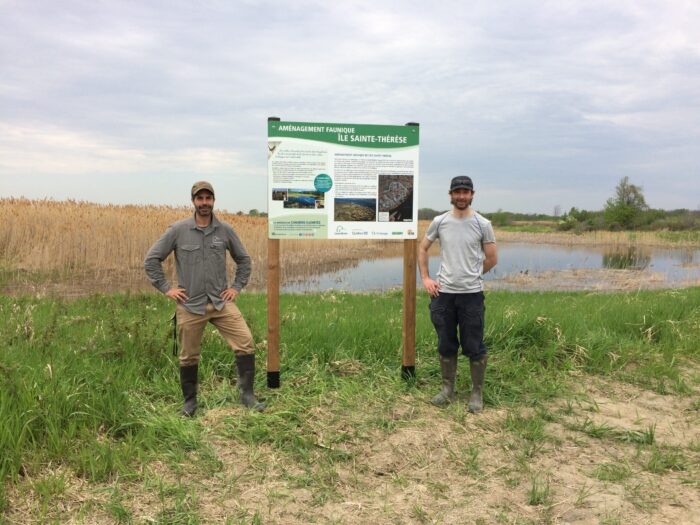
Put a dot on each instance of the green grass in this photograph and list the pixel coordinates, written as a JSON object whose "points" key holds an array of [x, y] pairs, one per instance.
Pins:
{"points": [[687, 236], [664, 459], [606, 431], [615, 472], [92, 386], [540, 492]]}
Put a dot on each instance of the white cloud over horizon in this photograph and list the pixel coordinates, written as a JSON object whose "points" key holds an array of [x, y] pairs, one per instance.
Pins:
{"points": [[544, 103]]}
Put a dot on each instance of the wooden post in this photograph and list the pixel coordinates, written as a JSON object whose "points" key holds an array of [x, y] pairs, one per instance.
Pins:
{"points": [[273, 306], [408, 368], [408, 362], [273, 313]]}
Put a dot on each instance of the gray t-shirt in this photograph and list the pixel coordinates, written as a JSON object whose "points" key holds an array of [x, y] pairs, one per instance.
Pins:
{"points": [[461, 251]]}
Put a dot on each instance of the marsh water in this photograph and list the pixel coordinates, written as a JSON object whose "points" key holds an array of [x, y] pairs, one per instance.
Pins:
{"points": [[518, 262]]}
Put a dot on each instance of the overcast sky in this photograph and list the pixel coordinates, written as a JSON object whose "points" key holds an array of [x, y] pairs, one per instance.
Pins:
{"points": [[543, 103]]}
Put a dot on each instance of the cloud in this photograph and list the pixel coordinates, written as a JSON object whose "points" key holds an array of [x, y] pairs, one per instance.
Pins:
{"points": [[564, 96]]}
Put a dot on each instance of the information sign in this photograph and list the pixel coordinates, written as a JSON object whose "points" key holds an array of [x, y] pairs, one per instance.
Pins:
{"points": [[342, 181]]}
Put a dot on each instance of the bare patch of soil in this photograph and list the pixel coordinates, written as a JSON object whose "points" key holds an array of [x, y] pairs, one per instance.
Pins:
{"points": [[676, 420]]}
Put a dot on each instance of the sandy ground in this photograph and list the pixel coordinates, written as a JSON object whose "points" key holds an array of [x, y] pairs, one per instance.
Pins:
{"points": [[600, 280], [437, 466]]}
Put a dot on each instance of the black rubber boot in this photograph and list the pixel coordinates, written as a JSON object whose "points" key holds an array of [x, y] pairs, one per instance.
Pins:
{"points": [[246, 378], [188, 382], [478, 370], [448, 366]]}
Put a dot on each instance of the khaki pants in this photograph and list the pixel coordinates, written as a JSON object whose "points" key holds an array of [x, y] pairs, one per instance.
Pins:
{"points": [[229, 322]]}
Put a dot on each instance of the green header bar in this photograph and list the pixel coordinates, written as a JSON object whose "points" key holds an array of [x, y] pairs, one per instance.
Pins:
{"points": [[359, 135]]}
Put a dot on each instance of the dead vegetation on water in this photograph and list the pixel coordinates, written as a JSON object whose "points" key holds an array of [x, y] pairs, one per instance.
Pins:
{"points": [[595, 280]]}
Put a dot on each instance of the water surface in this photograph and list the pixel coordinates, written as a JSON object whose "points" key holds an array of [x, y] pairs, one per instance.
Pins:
{"points": [[675, 266]]}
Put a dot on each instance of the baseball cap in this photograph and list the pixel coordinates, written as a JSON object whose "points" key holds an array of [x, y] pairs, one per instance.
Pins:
{"points": [[201, 185], [461, 182]]}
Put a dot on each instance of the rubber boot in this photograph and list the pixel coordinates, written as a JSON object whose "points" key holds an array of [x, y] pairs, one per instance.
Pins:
{"points": [[448, 365], [478, 369], [188, 382], [246, 377]]}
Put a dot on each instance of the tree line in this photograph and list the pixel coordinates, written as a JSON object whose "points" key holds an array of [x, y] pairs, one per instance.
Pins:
{"points": [[626, 209]]}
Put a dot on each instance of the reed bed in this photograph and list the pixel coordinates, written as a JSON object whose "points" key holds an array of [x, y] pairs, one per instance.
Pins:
{"points": [[101, 247], [96, 243]]}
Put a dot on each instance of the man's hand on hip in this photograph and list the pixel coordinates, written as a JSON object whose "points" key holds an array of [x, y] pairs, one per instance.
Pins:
{"points": [[177, 294], [431, 286], [229, 294]]}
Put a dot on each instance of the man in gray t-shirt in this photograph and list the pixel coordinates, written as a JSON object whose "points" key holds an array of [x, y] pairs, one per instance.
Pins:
{"points": [[467, 250]]}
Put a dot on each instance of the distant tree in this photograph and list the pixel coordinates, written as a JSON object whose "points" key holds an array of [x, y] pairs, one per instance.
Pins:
{"points": [[500, 217], [580, 215], [581, 220], [428, 214], [625, 209], [254, 212]]}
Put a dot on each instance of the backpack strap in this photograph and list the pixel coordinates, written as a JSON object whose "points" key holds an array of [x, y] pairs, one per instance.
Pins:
{"points": [[174, 321], [437, 228], [478, 223]]}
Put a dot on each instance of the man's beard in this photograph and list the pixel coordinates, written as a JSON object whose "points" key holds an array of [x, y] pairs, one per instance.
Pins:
{"points": [[461, 204], [204, 210]]}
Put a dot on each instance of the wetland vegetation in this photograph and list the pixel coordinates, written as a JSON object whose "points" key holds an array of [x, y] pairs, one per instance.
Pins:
{"points": [[70, 248], [592, 412], [592, 400]]}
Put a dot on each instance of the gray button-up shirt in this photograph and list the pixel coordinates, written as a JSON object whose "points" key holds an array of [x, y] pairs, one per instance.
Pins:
{"points": [[200, 261]]}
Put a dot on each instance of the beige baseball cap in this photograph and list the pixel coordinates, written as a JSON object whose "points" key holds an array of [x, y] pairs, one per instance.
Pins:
{"points": [[201, 185]]}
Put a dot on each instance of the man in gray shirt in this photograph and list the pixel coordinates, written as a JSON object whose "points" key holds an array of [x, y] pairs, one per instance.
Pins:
{"points": [[467, 250], [203, 294]]}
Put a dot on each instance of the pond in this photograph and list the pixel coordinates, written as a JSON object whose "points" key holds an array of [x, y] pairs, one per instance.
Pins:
{"points": [[532, 266]]}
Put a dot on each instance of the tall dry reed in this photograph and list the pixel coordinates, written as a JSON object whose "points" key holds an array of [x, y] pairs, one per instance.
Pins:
{"points": [[594, 238], [64, 238]]}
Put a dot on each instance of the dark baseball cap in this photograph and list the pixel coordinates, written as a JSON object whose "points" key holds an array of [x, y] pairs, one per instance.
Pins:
{"points": [[201, 185], [462, 182]]}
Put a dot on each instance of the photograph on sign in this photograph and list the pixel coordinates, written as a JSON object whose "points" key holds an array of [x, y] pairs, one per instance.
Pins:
{"points": [[335, 181]]}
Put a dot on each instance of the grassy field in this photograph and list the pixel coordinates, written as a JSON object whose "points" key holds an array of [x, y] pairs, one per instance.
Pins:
{"points": [[592, 415]]}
